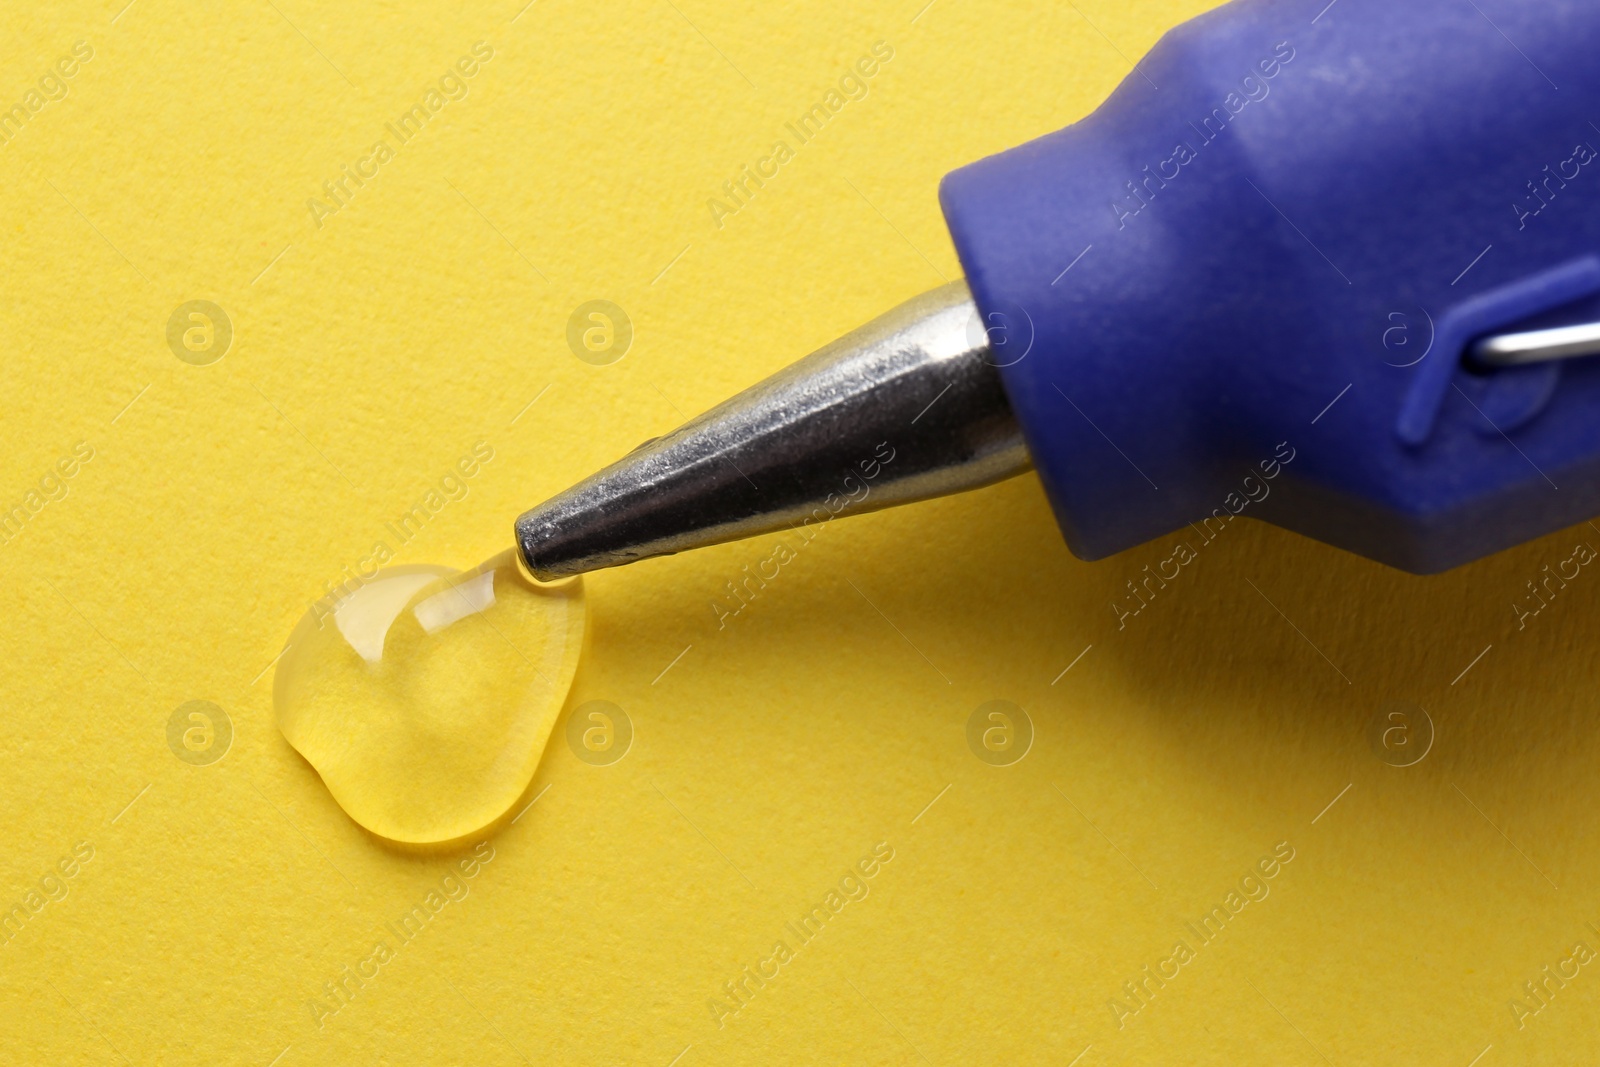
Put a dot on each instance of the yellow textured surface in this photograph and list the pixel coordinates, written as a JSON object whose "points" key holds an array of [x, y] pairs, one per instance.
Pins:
{"points": [[220, 902]]}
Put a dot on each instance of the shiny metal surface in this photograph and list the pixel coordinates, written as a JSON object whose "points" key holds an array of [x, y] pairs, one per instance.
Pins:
{"points": [[1539, 346], [908, 407]]}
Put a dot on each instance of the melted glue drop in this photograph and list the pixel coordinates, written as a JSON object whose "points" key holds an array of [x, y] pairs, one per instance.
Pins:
{"points": [[424, 698]]}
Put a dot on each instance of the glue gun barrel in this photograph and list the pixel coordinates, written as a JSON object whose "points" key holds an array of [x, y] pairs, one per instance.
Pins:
{"points": [[908, 407]]}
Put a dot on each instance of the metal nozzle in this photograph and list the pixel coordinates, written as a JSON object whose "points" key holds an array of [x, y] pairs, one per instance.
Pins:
{"points": [[908, 407]]}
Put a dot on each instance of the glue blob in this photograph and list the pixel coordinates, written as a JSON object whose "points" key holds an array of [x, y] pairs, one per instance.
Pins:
{"points": [[425, 697]]}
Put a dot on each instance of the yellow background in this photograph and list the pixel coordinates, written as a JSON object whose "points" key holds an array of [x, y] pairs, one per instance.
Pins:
{"points": [[425, 316]]}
